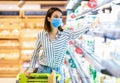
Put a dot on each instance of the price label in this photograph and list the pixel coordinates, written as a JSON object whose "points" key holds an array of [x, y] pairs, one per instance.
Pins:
{"points": [[73, 16]]}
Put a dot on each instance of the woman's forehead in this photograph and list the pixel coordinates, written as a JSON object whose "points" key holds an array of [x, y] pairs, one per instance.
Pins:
{"points": [[57, 13]]}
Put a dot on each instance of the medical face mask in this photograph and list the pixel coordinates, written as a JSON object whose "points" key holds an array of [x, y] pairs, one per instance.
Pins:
{"points": [[56, 22]]}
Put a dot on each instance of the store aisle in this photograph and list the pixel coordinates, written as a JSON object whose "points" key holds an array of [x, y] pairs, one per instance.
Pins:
{"points": [[7, 80]]}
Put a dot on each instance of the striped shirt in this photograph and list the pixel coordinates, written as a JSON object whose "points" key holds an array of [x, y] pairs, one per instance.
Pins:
{"points": [[54, 50]]}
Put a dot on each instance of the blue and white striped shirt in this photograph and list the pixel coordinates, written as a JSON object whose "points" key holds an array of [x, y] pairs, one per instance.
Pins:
{"points": [[54, 50]]}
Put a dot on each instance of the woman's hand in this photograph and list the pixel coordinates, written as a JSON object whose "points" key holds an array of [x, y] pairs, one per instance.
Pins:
{"points": [[27, 73]]}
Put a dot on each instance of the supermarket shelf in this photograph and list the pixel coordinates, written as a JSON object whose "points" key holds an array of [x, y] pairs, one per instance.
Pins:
{"points": [[10, 72], [108, 67], [93, 59], [112, 34], [112, 67], [5, 75], [15, 37], [27, 48], [98, 5], [84, 77], [28, 38], [71, 74], [9, 37], [10, 61], [73, 4], [10, 28], [9, 47], [14, 71]]}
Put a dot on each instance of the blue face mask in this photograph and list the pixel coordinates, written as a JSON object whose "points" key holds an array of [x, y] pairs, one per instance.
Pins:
{"points": [[56, 22]]}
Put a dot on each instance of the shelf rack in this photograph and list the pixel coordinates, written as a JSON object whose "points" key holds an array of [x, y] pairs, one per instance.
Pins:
{"points": [[84, 77], [105, 66]]}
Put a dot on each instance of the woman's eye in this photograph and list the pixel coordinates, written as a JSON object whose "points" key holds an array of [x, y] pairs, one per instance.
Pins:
{"points": [[56, 17]]}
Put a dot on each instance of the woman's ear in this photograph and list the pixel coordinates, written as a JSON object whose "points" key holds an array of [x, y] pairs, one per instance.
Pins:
{"points": [[49, 19]]}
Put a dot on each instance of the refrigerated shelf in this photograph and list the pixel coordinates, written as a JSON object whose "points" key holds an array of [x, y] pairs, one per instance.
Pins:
{"points": [[105, 66], [84, 77]]}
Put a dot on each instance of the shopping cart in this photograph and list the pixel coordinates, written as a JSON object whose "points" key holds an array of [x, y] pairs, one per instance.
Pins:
{"points": [[39, 78]]}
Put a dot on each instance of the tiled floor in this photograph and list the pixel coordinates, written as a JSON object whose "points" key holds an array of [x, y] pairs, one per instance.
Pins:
{"points": [[7, 80]]}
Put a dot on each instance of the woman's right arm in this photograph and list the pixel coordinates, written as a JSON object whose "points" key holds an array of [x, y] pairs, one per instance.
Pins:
{"points": [[35, 56]]}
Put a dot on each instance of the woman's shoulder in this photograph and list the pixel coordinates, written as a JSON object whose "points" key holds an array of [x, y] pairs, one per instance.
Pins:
{"points": [[42, 32]]}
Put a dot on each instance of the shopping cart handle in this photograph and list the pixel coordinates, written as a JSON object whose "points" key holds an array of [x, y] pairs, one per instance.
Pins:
{"points": [[39, 75], [44, 75]]}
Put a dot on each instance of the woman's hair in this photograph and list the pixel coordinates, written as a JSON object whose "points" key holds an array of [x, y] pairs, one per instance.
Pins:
{"points": [[47, 26]]}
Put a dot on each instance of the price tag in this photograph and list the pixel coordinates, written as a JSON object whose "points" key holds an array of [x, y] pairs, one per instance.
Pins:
{"points": [[73, 16], [78, 50]]}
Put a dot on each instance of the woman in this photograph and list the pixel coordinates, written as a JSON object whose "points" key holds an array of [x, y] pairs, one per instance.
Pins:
{"points": [[54, 41]]}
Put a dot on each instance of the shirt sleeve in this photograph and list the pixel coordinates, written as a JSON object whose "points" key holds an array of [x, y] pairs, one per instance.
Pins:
{"points": [[35, 55], [77, 32]]}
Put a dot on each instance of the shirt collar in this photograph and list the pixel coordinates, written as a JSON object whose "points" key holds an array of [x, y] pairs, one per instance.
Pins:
{"points": [[59, 33]]}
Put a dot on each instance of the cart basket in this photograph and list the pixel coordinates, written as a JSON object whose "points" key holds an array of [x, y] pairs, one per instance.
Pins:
{"points": [[38, 78]]}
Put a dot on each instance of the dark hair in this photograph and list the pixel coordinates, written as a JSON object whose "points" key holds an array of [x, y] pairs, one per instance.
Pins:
{"points": [[47, 26]]}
